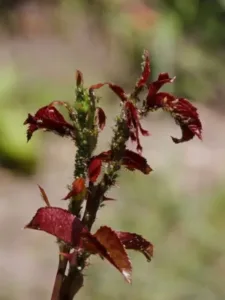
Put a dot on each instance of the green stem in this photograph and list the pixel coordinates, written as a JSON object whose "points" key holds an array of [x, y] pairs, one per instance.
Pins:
{"points": [[96, 193], [86, 140]]}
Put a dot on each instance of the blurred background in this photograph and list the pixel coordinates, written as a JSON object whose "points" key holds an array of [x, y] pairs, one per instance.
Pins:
{"points": [[180, 207]]}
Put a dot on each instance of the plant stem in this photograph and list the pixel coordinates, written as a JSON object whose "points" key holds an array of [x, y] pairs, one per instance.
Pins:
{"points": [[96, 193], [66, 287], [94, 201], [72, 284], [60, 275]]}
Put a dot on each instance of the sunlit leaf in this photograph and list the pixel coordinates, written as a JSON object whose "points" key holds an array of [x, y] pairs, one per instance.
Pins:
{"points": [[109, 239]]}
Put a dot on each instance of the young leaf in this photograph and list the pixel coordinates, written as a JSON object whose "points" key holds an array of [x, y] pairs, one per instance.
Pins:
{"points": [[60, 223], [130, 160], [155, 86], [183, 112], [94, 168], [71, 230], [79, 78], [68, 228], [78, 189], [134, 124], [134, 161], [101, 117], [109, 239], [44, 196], [118, 91], [136, 242], [97, 86], [48, 118], [186, 115]]}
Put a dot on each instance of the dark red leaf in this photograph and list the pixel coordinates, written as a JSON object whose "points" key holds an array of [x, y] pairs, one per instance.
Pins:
{"points": [[145, 73], [186, 136], [78, 188], [115, 249], [184, 114], [118, 91], [134, 124], [79, 78], [130, 160], [44, 196], [134, 161], [155, 86], [160, 100], [136, 242], [101, 117], [133, 136], [49, 118], [94, 168]]}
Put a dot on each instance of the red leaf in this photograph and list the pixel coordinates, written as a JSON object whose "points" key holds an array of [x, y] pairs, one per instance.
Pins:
{"points": [[134, 124], [130, 160], [68, 228], [101, 117], [79, 78], [155, 86], [115, 249], [161, 100], [118, 91], [94, 169], [44, 196], [71, 230], [188, 132], [134, 161], [136, 242], [49, 118], [145, 73], [78, 188], [184, 114], [60, 223], [97, 86]]}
